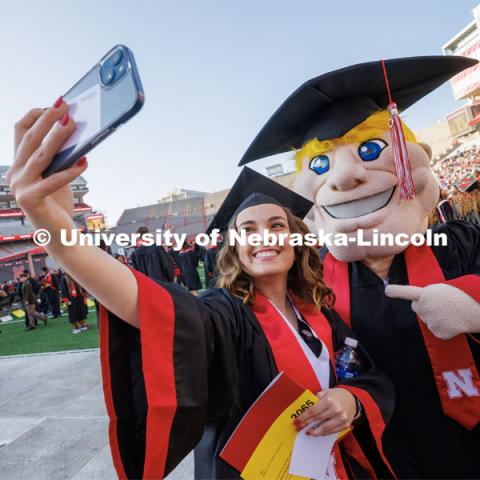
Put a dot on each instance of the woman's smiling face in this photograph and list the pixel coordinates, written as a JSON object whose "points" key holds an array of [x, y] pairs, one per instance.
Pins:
{"points": [[259, 261]]}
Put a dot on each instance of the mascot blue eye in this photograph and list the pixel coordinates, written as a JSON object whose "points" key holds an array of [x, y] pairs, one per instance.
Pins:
{"points": [[319, 164], [371, 149]]}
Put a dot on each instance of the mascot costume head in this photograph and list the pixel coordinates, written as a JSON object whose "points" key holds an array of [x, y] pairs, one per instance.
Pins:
{"points": [[346, 145]]}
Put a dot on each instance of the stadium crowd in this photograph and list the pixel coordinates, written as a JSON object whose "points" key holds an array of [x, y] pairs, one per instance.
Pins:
{"points": [[451, 170], [458, 176]]}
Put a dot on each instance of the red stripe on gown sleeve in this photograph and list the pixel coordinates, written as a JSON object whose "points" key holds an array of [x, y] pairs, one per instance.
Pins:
{"points": [[354, 450], [374, 417], [107, 391], [470, 284], [157, 325]]}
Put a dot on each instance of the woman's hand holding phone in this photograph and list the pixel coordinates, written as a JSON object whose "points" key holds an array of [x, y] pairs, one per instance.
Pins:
{"points": [[47, 201], [48, 204]]}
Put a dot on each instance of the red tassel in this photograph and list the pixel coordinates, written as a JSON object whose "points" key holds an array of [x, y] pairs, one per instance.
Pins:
{"points": [[399, 148]]}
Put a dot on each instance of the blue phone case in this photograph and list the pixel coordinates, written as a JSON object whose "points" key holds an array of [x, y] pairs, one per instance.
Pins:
{"points": [[106, 97]]}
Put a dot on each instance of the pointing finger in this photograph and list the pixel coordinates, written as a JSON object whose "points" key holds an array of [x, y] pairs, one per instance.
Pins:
{"points": [[405, 292]]}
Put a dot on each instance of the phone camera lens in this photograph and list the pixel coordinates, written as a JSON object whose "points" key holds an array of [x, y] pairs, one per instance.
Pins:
{"points": [[116, 57], [107, 74], [120, 70]]}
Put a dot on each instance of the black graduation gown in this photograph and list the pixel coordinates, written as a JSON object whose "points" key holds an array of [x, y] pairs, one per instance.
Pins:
{"points": [[52, 296], [188, 263], [77, 310], [176, 269], [154, 262], [210, 264], [196, 365], [420, 441]]}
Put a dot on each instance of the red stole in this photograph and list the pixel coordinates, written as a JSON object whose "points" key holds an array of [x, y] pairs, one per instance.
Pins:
{"points": [[451, 360], [49, 280], [288, 354]]}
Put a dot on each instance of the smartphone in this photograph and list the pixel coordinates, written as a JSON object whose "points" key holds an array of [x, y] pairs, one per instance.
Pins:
{"points": [[106, 97]]}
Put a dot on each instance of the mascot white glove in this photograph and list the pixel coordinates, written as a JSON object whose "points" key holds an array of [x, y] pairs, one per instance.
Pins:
{"points": [[446, 310]]}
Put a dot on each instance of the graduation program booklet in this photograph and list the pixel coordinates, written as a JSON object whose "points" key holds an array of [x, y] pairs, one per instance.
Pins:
{"points": [[265, 444]]}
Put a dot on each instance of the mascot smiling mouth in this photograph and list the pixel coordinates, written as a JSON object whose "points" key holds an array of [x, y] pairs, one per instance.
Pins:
{"points": [[360, 207]]}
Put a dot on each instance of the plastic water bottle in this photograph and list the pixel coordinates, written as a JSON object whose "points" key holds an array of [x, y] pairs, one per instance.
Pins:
{"points": [[347, 363]]}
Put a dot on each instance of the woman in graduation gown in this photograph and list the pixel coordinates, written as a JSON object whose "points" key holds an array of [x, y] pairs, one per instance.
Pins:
{"points": [[188, 264], [180, 372], [75, 298]]}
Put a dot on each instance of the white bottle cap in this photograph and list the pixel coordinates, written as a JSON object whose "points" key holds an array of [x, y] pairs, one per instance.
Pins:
{"points": [[351, 342]]}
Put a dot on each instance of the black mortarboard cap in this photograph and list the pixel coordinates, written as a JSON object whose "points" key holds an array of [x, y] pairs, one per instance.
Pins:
{"points": [[252, 188], [332, 104]]}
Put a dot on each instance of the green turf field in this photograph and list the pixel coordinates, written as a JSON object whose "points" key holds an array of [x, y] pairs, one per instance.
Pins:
{"points": [[55, 337]]}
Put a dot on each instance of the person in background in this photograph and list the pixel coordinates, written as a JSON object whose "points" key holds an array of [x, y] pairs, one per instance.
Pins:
{"points": [[37, 290], [29, 300], [42, 298], [50, 285], [35, 283], [10, 289], [152, 260], [210, 254], [77, 309], [188, 263], [177, 273], [5, 300]]}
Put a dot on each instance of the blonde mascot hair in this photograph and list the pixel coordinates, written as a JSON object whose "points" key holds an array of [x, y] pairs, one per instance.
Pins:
{"points": [[373, 127]]}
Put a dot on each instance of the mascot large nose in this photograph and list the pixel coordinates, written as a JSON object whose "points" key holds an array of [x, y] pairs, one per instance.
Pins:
{"points": [[348, 173]]}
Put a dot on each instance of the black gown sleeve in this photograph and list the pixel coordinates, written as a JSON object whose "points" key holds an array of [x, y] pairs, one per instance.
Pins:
{"points": [[460, 259], [188, 263], [166, 265], [158, 380], [64, 289], [154, 262], [137, 260], [463, 242]]}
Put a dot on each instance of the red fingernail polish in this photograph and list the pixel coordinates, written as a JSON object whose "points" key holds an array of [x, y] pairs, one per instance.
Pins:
{"points": [[58, 102], [82, 162], [65, 119]]}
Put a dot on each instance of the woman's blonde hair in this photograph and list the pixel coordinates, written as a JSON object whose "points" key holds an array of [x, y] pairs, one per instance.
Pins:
{"points": [[305, 278], [373, 127]]}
